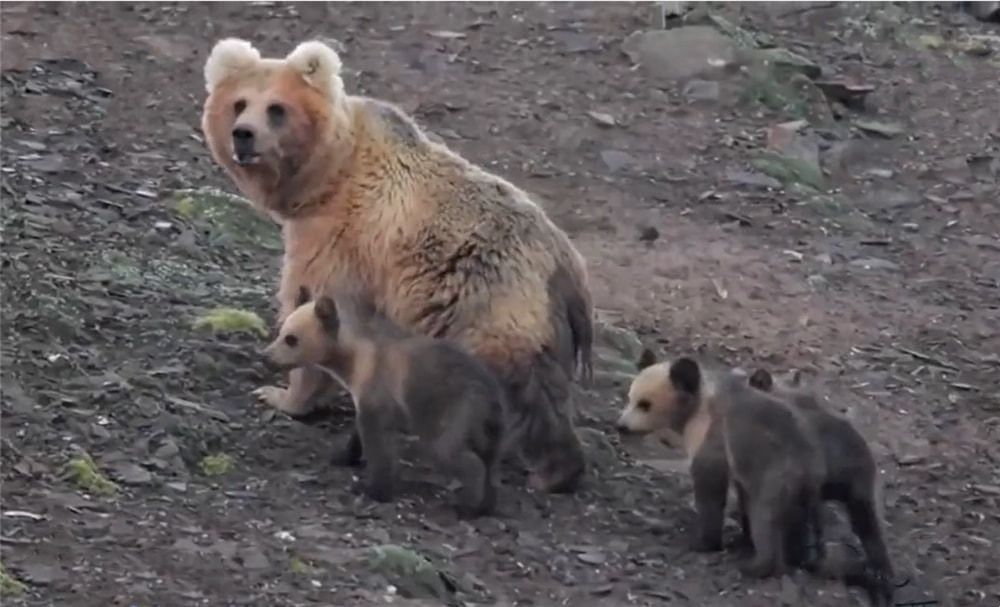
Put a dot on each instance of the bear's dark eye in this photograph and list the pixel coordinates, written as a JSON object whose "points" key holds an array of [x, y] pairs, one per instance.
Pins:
{"points": [[291, 341], [239, 106], [643, 405], [276, 114]]}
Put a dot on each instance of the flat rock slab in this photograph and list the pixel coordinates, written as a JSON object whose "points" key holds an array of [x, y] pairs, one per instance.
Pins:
{"points": [[680, 53]]}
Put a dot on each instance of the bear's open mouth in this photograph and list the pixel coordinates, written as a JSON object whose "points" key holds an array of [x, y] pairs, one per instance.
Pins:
{"points": [[245, 160]]}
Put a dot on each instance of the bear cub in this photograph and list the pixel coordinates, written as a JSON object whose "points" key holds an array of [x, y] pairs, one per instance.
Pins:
{"points": [[734, 433], [851, 479], [403, 382]]}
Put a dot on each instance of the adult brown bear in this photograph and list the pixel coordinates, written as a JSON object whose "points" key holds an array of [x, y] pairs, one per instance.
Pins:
{"points": [[369, 205]]}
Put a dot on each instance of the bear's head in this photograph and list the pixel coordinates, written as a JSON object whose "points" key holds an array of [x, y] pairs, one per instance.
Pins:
{"points": [[279, 127], [663, 397], [309, 335]]}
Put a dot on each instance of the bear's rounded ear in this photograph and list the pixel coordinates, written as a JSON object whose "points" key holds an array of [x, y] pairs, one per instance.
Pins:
{"points": [[761, 380], [318, 63], [646, 359], [228, 56], [326, 311], [685, 375]]}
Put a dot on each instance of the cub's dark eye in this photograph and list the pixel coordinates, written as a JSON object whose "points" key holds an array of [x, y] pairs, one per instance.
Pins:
{"points": [[276, 113], [291, 341], [643, 405], [239, 106]]}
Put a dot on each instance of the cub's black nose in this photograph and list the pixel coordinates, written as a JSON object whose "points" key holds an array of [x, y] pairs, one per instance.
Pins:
{"points": [[243, 145]]}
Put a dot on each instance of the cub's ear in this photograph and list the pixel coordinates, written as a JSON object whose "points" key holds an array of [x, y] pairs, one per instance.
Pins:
{"points": [[326, 312], [319, 65], [304, 296], [229, 56], [685, 375], [646, 359], [761, 380]]}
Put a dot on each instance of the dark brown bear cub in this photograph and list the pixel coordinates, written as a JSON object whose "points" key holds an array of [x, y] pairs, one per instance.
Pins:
{"points": [[400, 381], [734, 433], [851, 479]]}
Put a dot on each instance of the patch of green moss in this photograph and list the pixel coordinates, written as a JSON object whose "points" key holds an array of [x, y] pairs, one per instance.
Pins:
{"points": [[931, 41], [216, 465], [10, 585], [231, 219], [121, 266], [231, 320], [414, 575], [184, 205], [84, 472], [299, 566], [790, 170]]}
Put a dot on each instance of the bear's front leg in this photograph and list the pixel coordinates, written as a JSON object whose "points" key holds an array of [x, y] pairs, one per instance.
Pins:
{"points": [[296, 400]]}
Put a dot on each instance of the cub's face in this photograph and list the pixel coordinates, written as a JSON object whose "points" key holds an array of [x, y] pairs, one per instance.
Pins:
{"points": [[301, 341], [661, 398], [308, 335]]}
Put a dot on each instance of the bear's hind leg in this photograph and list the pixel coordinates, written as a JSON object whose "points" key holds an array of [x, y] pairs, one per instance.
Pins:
{"points": [[544, 427]]}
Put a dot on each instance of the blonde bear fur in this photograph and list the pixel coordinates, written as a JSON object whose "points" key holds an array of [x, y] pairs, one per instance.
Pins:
{"points": [[367, 204]]}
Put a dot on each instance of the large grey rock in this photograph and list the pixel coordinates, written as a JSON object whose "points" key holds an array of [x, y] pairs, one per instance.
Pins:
{"points": [[411, 573], [601, 453], [616, 349], [681, 53]]}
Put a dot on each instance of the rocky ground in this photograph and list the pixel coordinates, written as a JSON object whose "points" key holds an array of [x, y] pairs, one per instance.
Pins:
{"points": [[784, 184]]}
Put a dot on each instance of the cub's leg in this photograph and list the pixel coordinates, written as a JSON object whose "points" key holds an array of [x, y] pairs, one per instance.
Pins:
{"points": [[767, 538], [865, 523], [349, 454], [490, 445], [745, 543], [456, 452], [710, 476], [376, 429], [815, 552], [296, 400], [473, 498]]}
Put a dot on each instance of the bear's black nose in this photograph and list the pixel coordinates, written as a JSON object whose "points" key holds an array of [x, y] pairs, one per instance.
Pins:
{"points": [[243, 145]]}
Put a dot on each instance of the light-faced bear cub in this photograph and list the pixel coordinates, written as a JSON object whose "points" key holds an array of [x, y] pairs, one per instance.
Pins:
{"points": [[400, 381], [731, 431], [851, 478]]}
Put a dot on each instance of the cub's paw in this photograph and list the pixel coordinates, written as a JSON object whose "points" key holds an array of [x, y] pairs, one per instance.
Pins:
{"points": [[701, 543], [378, 491], [272, 396], [280, 399], [757, 569], [472, 511], [348, 454], [742, 546], [375, 488]]}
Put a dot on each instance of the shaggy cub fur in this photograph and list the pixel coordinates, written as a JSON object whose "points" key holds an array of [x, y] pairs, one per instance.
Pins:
{"points": [[851, 479], [732, 432], [367, 203], [430, 387]]}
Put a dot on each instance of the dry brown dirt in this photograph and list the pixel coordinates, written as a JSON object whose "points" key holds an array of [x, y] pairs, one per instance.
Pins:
{"points": [[101, 276]]}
